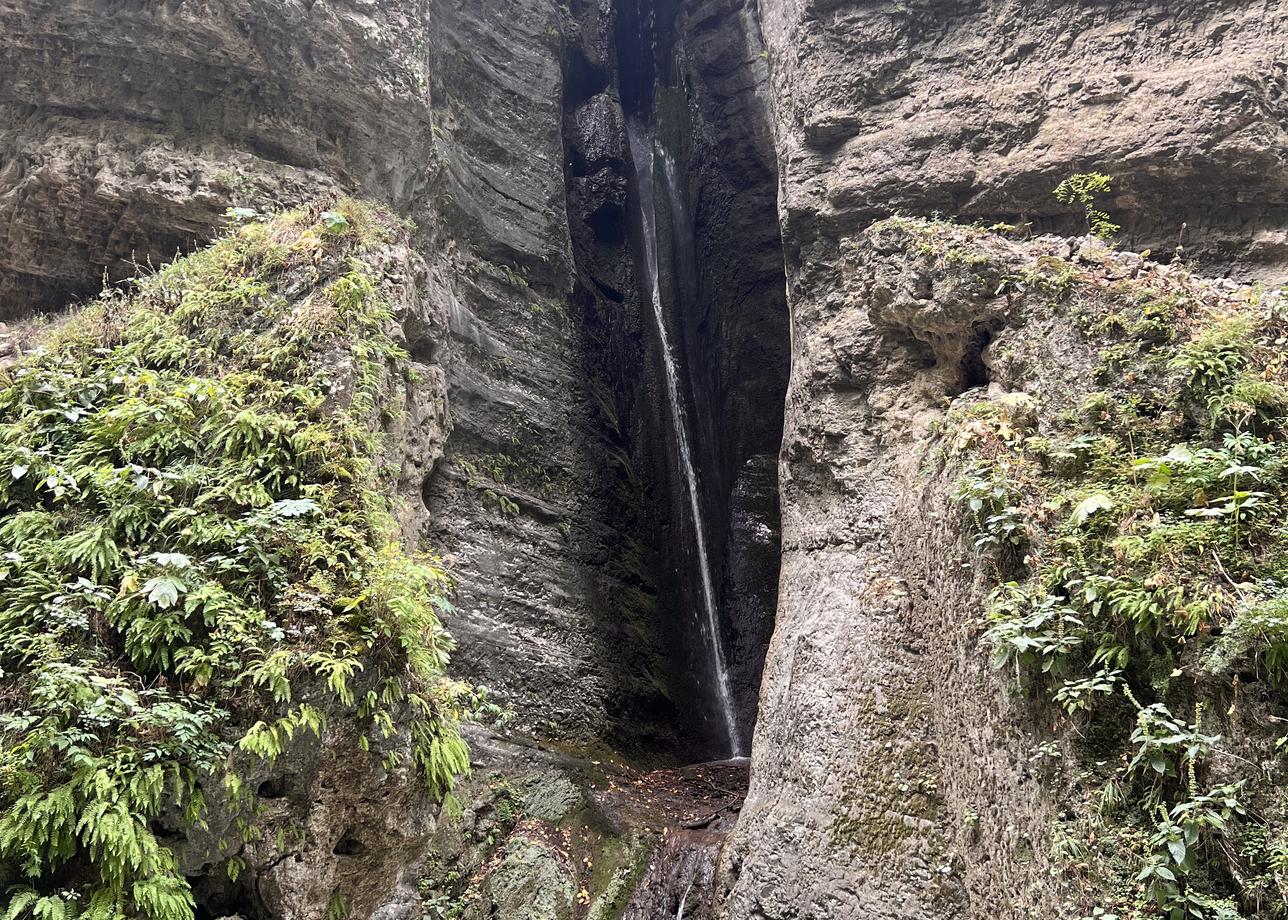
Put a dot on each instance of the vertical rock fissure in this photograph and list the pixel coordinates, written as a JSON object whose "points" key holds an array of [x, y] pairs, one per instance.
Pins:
{"points": [[644, 155], [687, 349]]}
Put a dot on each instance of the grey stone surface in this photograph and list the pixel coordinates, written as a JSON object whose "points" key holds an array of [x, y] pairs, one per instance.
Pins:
{"points": [[878, 726], [126, 129], [980, 108]]}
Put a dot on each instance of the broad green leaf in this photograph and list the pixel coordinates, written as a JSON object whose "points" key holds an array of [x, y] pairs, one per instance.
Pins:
{"points": [[293, 507], [1089, 506], [163, 591], [334, 220]]}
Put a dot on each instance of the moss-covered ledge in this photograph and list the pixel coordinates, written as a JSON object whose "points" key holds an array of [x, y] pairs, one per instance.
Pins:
{"points": [[1110, 439], [200, 572]]}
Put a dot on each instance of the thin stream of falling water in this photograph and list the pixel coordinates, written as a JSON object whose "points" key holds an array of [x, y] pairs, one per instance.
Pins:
{"points": [[693, 875], [643, 155]]}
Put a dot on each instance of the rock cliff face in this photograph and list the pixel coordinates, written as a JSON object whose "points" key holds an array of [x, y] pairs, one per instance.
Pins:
{"points": [[875, 714], [890, 773], [980, 108], [128, 130]]}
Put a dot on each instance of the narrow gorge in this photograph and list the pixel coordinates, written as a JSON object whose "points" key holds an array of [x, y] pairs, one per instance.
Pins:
{"points": [[697, 459]]}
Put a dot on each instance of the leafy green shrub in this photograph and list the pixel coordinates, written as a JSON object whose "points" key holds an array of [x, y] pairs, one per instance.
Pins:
{"points": [[1082, 189], [1259, 629], [1209, 359], [197, 560]]}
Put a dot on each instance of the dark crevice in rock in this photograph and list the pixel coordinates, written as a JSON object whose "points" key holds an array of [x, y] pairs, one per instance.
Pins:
{"points": [[217, 897], [349, 845], [277, 787], [725, 300], [166, 833], [722, 284], [973, 367]]}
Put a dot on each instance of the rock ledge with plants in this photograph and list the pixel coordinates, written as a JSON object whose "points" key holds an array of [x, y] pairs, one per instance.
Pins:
{"points": [[1119, 462], [1038, 485], [223, 669]]}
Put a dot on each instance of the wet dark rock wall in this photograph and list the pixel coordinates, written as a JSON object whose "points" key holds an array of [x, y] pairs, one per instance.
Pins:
{"points": [[738, 337], [692, 76]]}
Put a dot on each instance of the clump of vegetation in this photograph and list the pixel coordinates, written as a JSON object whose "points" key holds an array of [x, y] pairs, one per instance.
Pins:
{"points": [[1082, 190], [1137, 546], [198, 563]]}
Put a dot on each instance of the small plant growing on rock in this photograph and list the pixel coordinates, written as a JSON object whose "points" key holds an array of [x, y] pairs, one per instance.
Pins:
{"points": [[1081, 189]]}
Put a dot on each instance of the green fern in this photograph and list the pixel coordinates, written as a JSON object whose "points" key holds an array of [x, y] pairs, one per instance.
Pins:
{"points": [[192, 551]]}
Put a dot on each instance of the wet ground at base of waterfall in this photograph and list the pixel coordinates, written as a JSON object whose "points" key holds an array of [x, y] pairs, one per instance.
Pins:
{"points": [[581, 833], [693, 808], [700, 796]]}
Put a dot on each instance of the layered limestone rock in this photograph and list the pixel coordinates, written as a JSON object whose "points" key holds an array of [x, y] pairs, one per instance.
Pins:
{"points": [[980, 109], [129, 128]]}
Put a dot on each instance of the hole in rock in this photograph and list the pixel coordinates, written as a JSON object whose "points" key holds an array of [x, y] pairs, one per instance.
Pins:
{"points": [[165, 833], [973, 368], [424, 350], [277, 787], [611, 293], [349, 845], [609, 224], [216, 897]]}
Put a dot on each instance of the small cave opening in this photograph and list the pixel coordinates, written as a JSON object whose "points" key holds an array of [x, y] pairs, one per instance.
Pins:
{"points": [[349, 845], [166, 833], [215, 896], [423, 344], [974, 369], [277, 787], [681, 276]]}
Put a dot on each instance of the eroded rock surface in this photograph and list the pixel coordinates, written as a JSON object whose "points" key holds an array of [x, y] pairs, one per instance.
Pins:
{"points": [[980, 108], [895, 772], [129, 128], [876, 717], [126, 129]]}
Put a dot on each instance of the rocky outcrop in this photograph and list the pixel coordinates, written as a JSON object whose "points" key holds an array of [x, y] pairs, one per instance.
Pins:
{"points": [[876, 715], [896, 773], [500, 129], [549, 835], [980, 108], [329, 812], [128, 129], [535, 505]]}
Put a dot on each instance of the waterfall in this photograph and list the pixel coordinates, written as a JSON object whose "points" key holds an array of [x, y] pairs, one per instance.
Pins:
{"points": [[644, 154]]}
